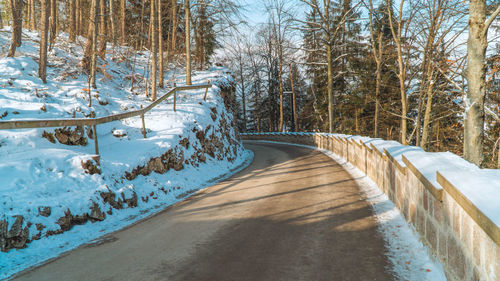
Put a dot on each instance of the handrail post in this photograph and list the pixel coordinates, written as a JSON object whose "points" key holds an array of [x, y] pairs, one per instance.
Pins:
{"points": [[175, 98], [206, 91], [96, 144], [143, 124]]}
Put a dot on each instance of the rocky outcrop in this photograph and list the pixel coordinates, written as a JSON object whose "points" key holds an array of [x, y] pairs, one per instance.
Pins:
{"points": [[14, 237], [71, 137]]}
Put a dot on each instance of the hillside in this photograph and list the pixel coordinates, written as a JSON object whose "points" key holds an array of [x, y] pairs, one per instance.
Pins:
{"points": [[54, 194]]}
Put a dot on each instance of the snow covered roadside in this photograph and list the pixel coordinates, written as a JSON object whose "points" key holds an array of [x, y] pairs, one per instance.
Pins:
{"points": [[410, 259]]}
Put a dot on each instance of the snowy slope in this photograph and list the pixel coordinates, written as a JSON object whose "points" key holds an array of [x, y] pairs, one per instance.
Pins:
{"points": [[52, 197]]}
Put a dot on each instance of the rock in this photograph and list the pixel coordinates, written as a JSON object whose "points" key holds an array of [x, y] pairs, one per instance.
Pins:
{"points": [[131, 202], [62, 138], [65, 222], [44, 211], [184, 142], [3, 232], [109, 197], [90, 168], [157, 165], [19, 242], [95, 213], [16, 228], [39, 226]]}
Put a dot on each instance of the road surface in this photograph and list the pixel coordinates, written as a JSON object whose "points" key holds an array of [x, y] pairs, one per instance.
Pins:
{"points": [[293, 214]]}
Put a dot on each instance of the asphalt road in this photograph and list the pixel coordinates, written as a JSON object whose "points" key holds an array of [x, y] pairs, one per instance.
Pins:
{"points": [[293, 214]]}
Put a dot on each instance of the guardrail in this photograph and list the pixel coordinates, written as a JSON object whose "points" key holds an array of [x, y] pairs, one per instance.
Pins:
{"points": [[93, 122]]}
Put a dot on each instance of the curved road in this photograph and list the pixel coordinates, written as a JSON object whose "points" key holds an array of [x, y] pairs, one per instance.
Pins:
{"points": [[293, 214]]}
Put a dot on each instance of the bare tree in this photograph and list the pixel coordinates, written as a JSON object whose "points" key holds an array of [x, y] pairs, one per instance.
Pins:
{"points": [[160, 43], [154, 39], [33, 15], [16, 7], [187, 10], [72, 20], [1, 21], [52, 23], [174, 24], [42, 66], [476, 80], [330, 31], [103, 28], [402, 67], [376, 45], [123, 7]]}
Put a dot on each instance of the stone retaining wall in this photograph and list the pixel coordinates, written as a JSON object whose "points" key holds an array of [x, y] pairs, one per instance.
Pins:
{"points": [[465, 241]]}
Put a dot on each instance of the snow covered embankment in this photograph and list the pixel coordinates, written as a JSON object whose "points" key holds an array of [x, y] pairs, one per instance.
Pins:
{"points": [[54, 195]]}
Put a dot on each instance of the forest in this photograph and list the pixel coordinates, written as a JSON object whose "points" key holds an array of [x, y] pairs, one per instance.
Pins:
{"points": [[422, 72]]}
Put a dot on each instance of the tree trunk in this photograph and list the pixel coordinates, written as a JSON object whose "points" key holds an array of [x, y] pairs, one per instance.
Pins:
{"points": [[188, 42], [427, 116], [280, 78], [78, 24], [123, 13], [16, 7], [243, 93], [330, 84], [378, 83], [174, 24], [42, 66], [1, 20], [72, 20], [33, 15], [93, 25], [112, 20], [475, 74], [29, 18], [294, 102], [160, 43], [52, 23], [103, 28], [153, 40]]}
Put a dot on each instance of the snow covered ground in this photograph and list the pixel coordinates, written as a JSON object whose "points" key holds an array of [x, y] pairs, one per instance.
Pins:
{"points": [[52, 197]]}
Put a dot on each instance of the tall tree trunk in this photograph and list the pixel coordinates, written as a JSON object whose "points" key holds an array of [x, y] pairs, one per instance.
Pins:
{"points": [[77, 18], [28, 15], [160, 43], [294, 102], [33, 15], [42, 66], [103, 28], [72, 20], [475, 74], [243, 93], [154, 39], [187, 9], [396, 34], [52, 23], [112, 20], [16, 7], [424, 142], [123, 13], [174, 25], [93, 25], [330, 84], [280, 78], [1, 20]]}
